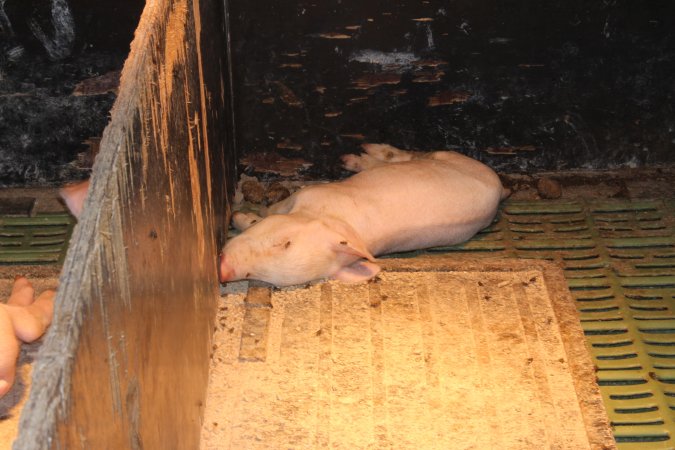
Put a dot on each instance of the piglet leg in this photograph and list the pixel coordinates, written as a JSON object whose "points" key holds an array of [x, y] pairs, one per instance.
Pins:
{"points": [[242, 221], [376, 155], [388, 153], [359, 163], [22, 318]]}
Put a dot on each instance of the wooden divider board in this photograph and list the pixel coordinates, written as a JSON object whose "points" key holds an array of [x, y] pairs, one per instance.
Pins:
{"points": [[125, 362]]}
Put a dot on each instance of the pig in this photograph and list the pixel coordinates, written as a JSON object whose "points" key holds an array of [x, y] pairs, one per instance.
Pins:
{"points": [[73, 195], [25, 317], [398, 201]]}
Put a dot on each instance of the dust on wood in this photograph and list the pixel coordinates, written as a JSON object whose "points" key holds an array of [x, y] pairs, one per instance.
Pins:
{"points": [[488, 355]]}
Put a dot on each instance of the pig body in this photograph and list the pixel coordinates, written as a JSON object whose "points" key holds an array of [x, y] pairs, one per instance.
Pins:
{"points": [[399, 201]]}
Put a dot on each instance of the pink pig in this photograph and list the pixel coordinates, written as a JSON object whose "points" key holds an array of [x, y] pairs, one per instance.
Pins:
{"points": [[399, 201], [74, 195], [25, 316]]}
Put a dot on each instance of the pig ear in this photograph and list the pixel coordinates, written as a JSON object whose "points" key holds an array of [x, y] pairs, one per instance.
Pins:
{"points": [[344, 240], [353, 247], [74, 195], [357, 272]]}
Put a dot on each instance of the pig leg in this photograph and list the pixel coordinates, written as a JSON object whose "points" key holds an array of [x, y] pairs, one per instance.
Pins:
{"points": [[376, 155], [359, 163], [389, 153], [22, 318], [281, 207], [242, 221]]}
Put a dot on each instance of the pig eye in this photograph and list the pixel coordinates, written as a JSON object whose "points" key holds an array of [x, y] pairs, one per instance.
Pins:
{"points": [[287, 244]]}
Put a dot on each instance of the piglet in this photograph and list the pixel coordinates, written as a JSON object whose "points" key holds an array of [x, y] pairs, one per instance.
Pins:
{"points": [[25, 316], [398, 201], [73, 195]]}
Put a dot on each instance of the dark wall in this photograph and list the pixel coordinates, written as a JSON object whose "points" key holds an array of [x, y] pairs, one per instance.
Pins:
{"points": [[101, 25], [524, 85], [43, 126]]}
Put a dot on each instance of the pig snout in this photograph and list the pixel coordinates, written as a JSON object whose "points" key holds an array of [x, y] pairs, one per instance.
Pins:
{"points": [[290, 249], [225, 269]]}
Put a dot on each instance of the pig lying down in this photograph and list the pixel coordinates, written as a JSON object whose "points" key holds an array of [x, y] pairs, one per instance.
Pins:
{"points": [[398, 201], [25, 316]]}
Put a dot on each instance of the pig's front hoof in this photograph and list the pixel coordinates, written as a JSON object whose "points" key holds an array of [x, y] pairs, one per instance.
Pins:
{"points": [[352, 163], [387, 153]]}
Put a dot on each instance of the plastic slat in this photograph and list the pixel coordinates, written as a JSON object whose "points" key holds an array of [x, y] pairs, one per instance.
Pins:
{"points": [[42, 239], [619, 260]]}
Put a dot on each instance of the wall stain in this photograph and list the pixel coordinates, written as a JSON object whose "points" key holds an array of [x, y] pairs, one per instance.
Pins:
{"points": [[449, 98], [372, 80], [288, 96], [273, 163]]}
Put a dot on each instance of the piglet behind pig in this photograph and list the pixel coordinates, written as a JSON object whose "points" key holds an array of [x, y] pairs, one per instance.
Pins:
{"points": [[25, 316], [398, 201]]}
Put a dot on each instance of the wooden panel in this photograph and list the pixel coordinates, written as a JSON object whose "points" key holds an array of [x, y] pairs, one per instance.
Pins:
{"points": [[125, 363], [438, 353]]}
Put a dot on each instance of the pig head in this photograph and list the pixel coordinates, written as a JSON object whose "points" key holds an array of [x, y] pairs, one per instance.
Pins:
{"points": [[295, 248]]}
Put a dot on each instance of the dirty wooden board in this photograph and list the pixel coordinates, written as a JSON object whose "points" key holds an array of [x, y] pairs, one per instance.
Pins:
{"points": [[127, 353], [437, 353]]}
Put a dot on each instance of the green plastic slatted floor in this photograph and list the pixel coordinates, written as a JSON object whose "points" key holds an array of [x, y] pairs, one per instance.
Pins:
{"points": [[42, 239], [619, 260]]}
